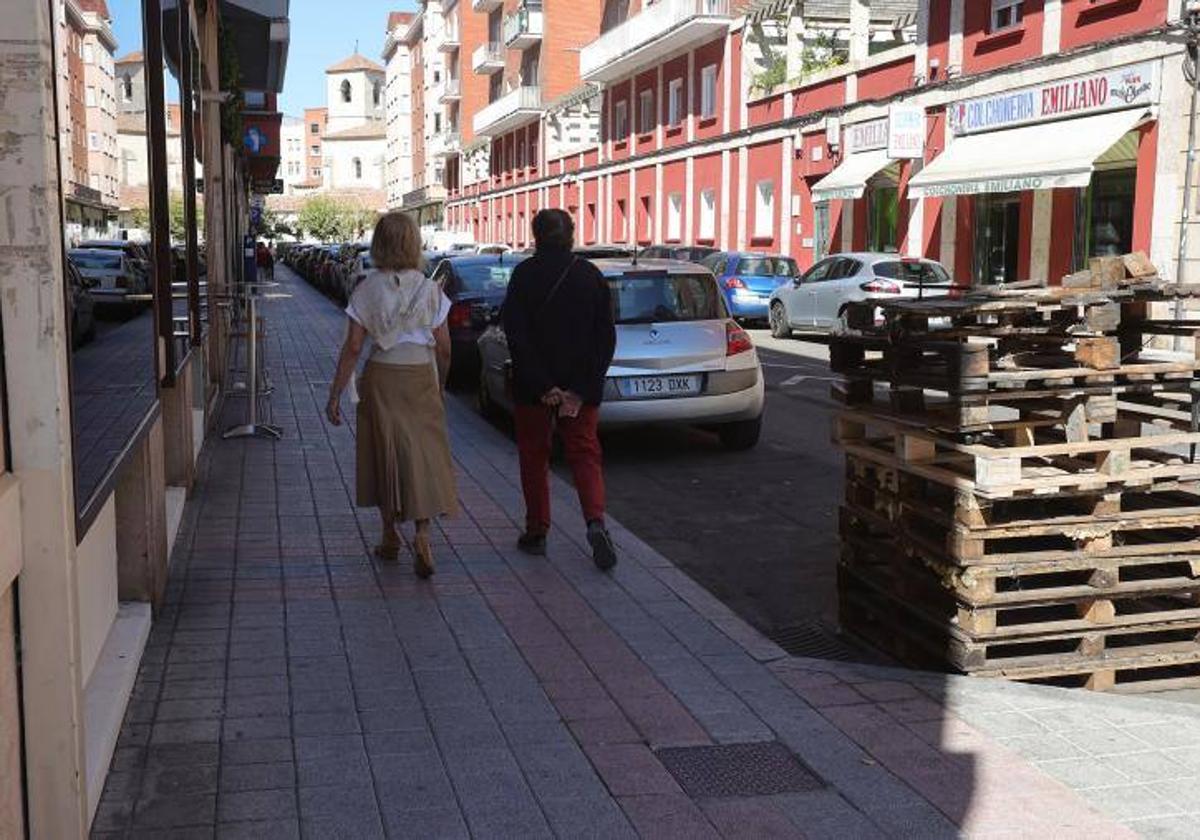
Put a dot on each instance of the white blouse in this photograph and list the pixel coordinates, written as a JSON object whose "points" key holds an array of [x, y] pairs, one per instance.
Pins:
{"points": [[398, 308]]}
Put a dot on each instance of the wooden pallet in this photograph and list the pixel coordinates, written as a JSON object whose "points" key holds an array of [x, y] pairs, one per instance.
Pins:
{"points": [[1099, 657]]}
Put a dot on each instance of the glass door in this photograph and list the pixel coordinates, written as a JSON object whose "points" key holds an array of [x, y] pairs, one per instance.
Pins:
{"points": [[997, 237]]}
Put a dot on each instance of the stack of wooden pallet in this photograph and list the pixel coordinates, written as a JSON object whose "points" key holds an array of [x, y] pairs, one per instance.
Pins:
{"points": [[1022, 492]]}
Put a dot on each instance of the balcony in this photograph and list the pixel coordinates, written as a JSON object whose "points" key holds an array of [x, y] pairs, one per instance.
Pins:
{"points": [[486, 5], [421, 196], [654, 33], [510, 111], [488, 58], [523, 28], [450, 41], [451, 91], [444, 143]]}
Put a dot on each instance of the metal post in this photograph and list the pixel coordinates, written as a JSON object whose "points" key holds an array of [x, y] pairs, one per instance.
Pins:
{"points": [[1186, 211], [252, 427]]}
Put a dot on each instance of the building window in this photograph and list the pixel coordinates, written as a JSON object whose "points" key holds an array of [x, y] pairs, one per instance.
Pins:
{"points": [[127, 88], [88, 56], [997, 237], [674, 102], [708, 214], [90, 97], [764, 210], [93, 141], [314, 150], [358, 168], [1104, 216], [621, 121], [375, 94], [1005, 14], [437, 123], [315, 172], [883, 214], [645, 112], [345, 90], [314, 128], [619, 231], [647, 219], [708, 92], [675, 216]]}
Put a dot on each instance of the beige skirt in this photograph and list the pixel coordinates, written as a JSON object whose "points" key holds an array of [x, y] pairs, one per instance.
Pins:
{"points": [[403, 448]]}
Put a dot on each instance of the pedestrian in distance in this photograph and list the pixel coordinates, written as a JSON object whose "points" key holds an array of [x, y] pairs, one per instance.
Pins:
{"points": [[402, 445], [265, 261], [558, 321]]}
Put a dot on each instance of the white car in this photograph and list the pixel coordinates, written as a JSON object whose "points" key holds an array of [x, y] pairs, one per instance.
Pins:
{"points": [[816, 299], [680, 357]]}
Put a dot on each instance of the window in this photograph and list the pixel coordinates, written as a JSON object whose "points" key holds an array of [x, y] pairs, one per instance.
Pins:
{"points": [[764, 210], [358, 167], [1104, 216], [315, 172], [708, 92], [619, 229], [93, 140], [95, 179], [346, 90], [90, 98], [375, 93], [620, 121], [314, 128], [645, 112], [883, 213], [1005, 14], [674, 102], [647, 218], [675, 217], [127, 88], [708, 214], [437, 123], [997, 233], [314, 150], [88, 56]]}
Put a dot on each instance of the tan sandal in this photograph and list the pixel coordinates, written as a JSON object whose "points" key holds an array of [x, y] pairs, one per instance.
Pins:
{"points": [[422, 557]]}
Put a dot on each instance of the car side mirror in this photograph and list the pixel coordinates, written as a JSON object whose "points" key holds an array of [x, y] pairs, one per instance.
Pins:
{"points": [[796, 281]]}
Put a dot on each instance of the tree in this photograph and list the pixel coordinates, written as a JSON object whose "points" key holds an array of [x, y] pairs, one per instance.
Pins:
{"points": [[178, 226], [324, 218]]}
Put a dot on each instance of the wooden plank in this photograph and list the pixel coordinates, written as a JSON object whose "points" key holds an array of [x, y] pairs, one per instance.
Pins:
{"points": [[1138, 265], [1108, 271]]}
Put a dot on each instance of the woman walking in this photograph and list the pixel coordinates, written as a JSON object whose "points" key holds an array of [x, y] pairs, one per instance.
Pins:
{"points": [[403, 450]]}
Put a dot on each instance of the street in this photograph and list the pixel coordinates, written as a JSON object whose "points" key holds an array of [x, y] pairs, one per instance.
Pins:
{"points": [[758, 529]]}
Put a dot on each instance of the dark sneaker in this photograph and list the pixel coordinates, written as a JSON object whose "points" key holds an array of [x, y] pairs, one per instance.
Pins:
{"points": [[534, 544], [604, 553]]}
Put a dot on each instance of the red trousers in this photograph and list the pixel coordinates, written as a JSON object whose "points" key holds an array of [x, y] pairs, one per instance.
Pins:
{"points": [[535, 434]]}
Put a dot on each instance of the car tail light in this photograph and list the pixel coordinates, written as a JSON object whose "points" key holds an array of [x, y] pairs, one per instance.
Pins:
{"points": [[737, 340], [734, 283], [460, 316], [880, 287]]}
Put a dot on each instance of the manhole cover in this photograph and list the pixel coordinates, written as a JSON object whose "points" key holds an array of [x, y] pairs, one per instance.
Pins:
{"points": [[764, 768]]}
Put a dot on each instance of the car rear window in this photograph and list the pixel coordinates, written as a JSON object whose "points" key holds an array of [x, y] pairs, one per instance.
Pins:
{"points": [[768, 266], [485, 277], [97, 259], [648, 298], [912, 272]]}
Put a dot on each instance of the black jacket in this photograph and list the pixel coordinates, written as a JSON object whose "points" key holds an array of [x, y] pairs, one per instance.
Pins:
{"points": [[565, 340]]}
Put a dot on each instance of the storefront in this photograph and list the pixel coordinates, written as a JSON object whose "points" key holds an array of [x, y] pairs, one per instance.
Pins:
{"points": [[1048, 176]]}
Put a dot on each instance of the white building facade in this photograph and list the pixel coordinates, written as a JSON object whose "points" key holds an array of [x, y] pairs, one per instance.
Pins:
{"points": [[355, 144], [291, 153], [398, 164]]}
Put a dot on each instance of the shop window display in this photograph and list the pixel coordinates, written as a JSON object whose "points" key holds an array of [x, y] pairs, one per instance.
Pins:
{"points": [[1104, 216], [997, 235]]}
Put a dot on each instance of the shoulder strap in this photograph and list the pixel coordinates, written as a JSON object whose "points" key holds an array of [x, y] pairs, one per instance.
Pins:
{"points": [[554, 289]]}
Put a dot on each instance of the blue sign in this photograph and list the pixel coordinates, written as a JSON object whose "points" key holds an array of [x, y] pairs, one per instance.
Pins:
{"points": [[255, 140]]}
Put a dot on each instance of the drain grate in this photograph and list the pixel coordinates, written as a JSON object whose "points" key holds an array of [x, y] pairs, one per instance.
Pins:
{"points": [[811, 640], [763, 768]]}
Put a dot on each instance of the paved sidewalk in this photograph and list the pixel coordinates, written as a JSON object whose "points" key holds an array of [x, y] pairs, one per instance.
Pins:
{"points": [[294, 688]]}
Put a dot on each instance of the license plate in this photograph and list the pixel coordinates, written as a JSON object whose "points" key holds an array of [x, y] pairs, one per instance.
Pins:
{"points": [[647, 387]]}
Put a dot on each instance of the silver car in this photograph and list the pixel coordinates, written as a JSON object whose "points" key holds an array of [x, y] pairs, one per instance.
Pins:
{"points": [[111, 276], [680, 358], [815, 300]]}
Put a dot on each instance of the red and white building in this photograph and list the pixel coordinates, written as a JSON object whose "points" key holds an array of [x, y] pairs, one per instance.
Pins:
{"points": [[1010, 139]]}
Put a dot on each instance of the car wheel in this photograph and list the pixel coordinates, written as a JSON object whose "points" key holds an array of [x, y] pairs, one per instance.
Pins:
{"points": [[741, 435], [779, 321]]}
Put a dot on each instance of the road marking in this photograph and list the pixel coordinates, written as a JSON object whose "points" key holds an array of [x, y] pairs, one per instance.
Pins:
{"points": [[792, 380]]}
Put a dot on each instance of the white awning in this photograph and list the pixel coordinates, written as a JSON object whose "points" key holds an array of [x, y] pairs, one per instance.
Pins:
{"points": [[1033, 157], [850, 178]]}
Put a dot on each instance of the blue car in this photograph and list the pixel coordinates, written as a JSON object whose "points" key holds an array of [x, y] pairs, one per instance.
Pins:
{"points": [[747, 279]]}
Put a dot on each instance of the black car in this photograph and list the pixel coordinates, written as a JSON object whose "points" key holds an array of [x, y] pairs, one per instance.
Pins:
{"points": [[688, 253], [476, 285]]}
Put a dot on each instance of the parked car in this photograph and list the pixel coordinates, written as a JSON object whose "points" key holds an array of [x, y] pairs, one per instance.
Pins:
{"points": [[601, 252], [680, 357], [137, 253], [747, 279], [110, 277], [690, 253], [432, 260], [816, 299], [476, 286], [81, 309], [492, 248]]}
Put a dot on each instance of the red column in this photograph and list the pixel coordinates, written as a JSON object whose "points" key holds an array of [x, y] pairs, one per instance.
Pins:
{"points": [[1062, 234], [902, 206], [1143, 196], [964, 240], [859, 240], [931, 229]]}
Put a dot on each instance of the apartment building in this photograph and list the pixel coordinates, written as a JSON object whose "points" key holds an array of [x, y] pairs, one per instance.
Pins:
{"points": [[314, 146], [293, 158], [935, 128], [398, 97], [429, 41]]}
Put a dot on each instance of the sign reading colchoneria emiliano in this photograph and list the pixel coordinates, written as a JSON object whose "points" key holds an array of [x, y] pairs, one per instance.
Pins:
{"points": [[1108, 90]]}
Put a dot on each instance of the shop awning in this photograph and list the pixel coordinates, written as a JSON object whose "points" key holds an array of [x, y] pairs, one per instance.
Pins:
{"points": [[1033, 157], [851, 176]]}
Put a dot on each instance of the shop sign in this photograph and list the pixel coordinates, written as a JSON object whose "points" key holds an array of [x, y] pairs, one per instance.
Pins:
{"points": [[993, 185], [1109, 90], [906, 131], [865, 136]]}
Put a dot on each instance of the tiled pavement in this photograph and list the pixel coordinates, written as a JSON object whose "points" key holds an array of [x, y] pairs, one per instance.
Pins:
{"points": [[294, 688]]}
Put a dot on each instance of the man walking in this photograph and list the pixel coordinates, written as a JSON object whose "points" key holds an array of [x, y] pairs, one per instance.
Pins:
{"points": [[559, 324]]}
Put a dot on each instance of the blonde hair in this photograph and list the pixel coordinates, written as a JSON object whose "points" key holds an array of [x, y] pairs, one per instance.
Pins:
{"points": [[396, 243]]}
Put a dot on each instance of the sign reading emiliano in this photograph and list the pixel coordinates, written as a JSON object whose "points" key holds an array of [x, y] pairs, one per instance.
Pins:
{"points": [[1108, 90]]}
